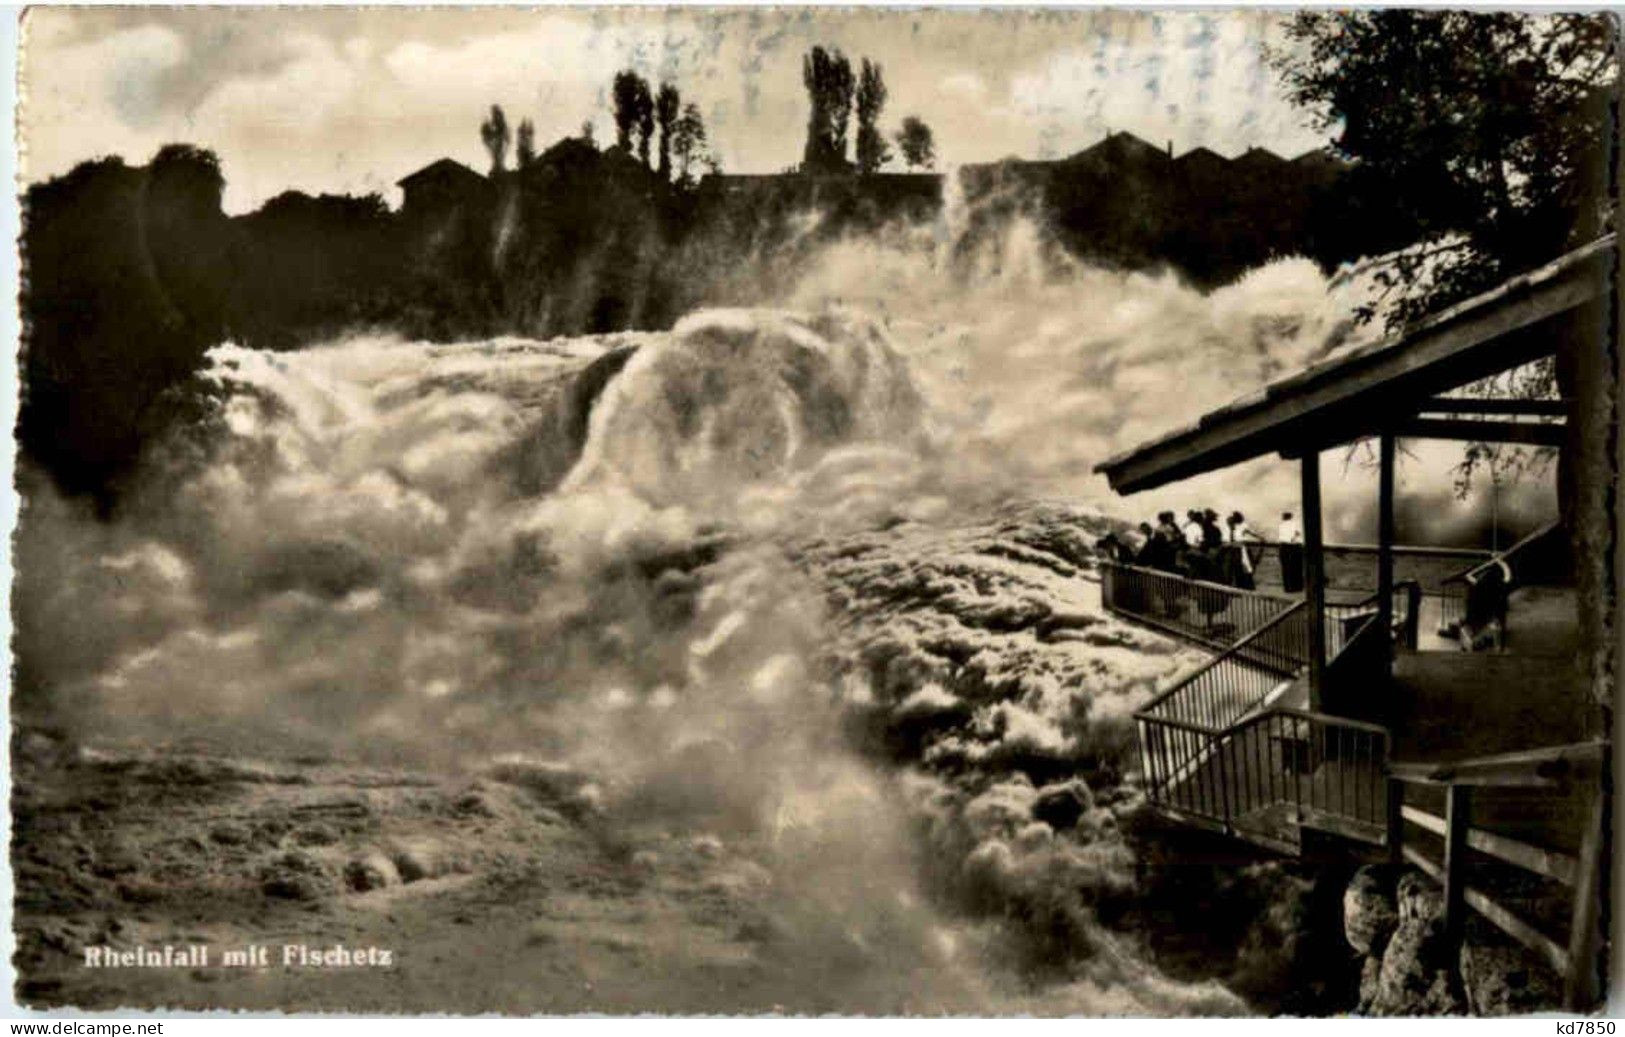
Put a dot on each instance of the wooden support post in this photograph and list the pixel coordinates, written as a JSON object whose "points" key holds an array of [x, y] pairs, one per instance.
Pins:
{"points": [[1314, 580], [1581, 986], [1385, 541], [1396, 821], [1413, 615], [1457, 819]]}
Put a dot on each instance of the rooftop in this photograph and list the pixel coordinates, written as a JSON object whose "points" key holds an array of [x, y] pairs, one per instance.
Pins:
{"points": [[442, 169]]}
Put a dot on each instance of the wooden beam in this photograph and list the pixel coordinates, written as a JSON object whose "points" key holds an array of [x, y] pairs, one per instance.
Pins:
{"points": [[1582, 985], [1556, 958], [1396, 820], [1423, 863], [1533, 768], [1347, 827], [1503, 919], [1553, 865], [1385, 542], [1347, 397], [1457, 819], [1483, 431], [1314, 580], [1474, 405]]}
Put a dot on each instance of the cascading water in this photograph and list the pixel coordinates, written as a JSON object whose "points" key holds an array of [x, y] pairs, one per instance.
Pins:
{"points": [[679, 562]]}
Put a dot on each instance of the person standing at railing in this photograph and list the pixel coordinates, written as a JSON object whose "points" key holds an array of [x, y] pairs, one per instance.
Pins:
{"points": [[1193, 561], [1212, 535], [1127, 590], [1168, 543], [1239, 547], [1146, 554], [1170, 559], [1191, 531], [1484, 625], [1290, 538], [1113, 549]]}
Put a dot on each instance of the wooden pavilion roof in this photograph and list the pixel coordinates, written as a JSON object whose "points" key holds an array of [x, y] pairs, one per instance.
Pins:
{"points": [[1380, 386]]}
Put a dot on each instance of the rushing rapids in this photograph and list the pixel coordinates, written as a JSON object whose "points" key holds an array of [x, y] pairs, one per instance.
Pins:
{"points": [[819, 574]]}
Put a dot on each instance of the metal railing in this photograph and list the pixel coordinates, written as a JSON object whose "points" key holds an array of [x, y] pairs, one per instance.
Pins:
{"points": [[1453, 588], [1326, 769], [1345, 621], [1223, 617], [1269, 772], [1214, 750], [1208, 612], [1226, 687]]}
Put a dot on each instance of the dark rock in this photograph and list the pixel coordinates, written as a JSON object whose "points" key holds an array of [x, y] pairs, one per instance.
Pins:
{"points": [[39, 991], [1501, 978], [370, 872], [140, 892], [1417, 975], [228, 834], [412, 864], [1418, 899], [318, 834], [1061, 805], [1370, 975], [1369, 912], [296, 876]]}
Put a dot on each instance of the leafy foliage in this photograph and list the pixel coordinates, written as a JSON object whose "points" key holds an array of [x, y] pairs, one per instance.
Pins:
{"points": [[871, 98], [917, 144], [645, 112], [495, 134], [668, 103], [689, 144], [126, 275], [525, 149], [827, 75], [1490, 131]]}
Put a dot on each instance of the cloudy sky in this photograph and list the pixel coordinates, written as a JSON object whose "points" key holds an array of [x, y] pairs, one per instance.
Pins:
{"points": [[334, 99]]}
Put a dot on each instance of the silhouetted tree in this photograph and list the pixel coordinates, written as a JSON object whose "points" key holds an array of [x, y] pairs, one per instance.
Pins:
{"points": [[525, 149], [626, 92], [689, 143], [916, 143], [494, 132], [1495, 126], [645, 110], [872, 152], [126, 276], [1490, 133], [588, 133], [667, 105], [827, 76]]}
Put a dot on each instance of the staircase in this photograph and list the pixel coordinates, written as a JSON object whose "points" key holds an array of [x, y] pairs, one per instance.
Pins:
{"points": [[1225, 747], [1511, 833]]}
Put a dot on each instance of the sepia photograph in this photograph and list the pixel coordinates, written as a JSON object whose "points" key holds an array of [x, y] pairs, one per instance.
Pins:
{"points": [[815, 511]]}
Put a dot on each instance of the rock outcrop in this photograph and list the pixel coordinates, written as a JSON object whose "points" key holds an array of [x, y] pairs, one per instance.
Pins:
{"points": [[1369, 914], [1416, 976], [1500, 978], [1397, 924]]}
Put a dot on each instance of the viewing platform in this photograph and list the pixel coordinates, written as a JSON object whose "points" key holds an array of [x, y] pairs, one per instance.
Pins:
{"points": [[1450, 710]]}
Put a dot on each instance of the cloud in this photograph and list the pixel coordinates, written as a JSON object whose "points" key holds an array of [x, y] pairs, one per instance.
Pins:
{"points": [[1193, 79], [105, 91], [350, 99]]}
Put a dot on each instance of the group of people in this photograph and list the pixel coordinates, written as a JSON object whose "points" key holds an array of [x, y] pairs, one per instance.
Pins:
{"points": [[1202, 549]]}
